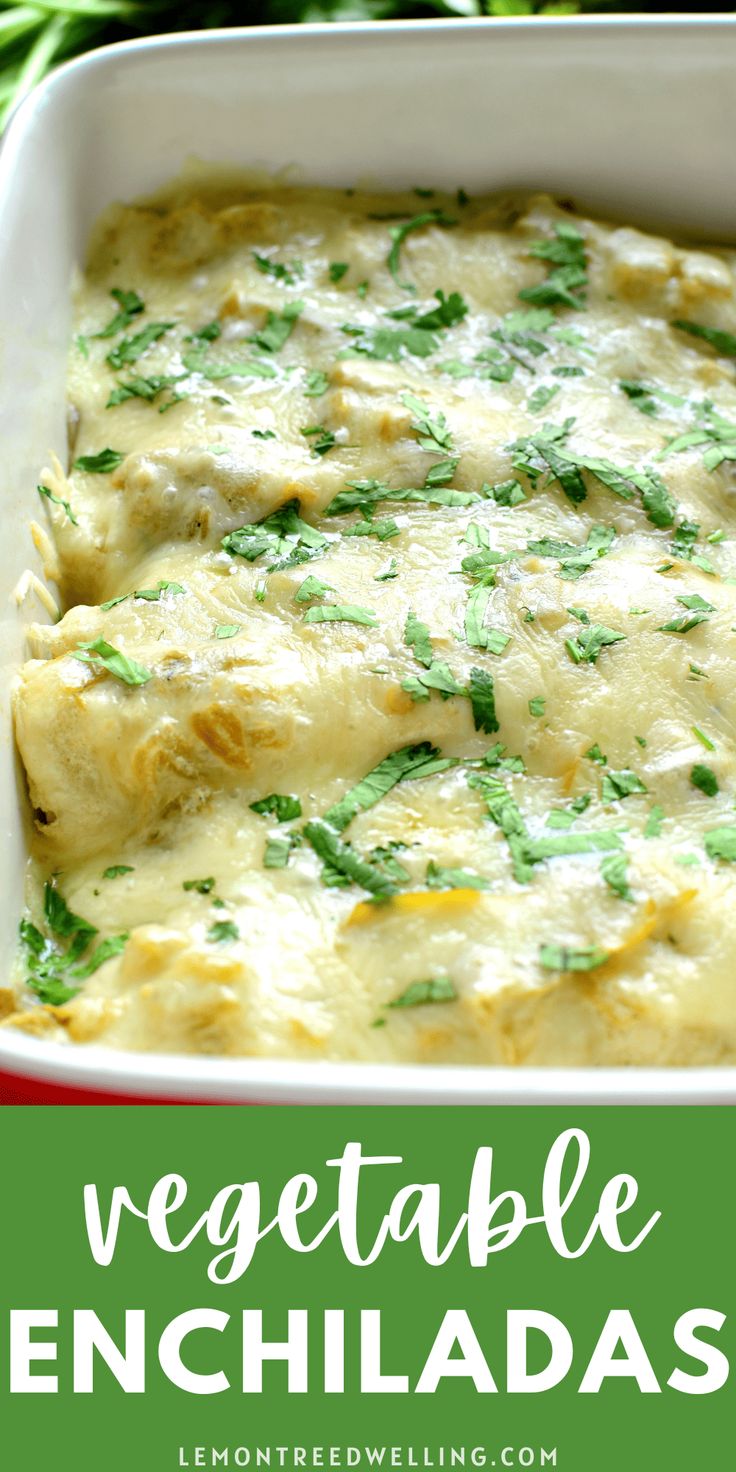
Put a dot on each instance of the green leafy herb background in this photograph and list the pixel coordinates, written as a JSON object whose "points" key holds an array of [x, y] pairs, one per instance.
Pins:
{"points": [[35, 37]]}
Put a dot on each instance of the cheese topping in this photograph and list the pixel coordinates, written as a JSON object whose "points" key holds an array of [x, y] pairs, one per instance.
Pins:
{"points": [[392, 713]]}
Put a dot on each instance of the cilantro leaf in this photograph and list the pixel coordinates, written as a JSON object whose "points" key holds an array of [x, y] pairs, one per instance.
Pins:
{"points": [[279, 327], [432, 432], [145, 388], [399, 234], [705, 779], [341, 857], [383, 529], [587, 645], [723, 342], [576, 559], [343, 613], [567, 280], [282, 535], [100, 464], [223, 930], [200, 886], [720, 843], [613, 871], [324, 439], [338, 269], [364, 494], [317, 383], [275, 269], [437, 677], [572, 958], [407, 763], [115, 871], [483, 701], [129, 304], [312, 588], [618, 785], [562, 845], [416, 635], [102, 655], [130, 349], [283, 806], [437, 989], [440, 877], [58, 501]]}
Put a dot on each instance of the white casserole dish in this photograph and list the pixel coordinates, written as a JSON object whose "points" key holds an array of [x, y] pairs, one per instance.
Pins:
{"points": [[634, 118]]}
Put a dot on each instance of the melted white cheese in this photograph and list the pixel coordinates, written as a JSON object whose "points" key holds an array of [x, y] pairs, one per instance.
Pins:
{"points": [[159, 777]]}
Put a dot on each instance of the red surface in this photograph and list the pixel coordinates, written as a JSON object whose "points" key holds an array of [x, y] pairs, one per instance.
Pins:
{"points": [[16, 1090]]}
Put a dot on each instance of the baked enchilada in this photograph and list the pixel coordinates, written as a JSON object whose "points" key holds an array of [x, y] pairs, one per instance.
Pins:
{"points": [[391, 713]]}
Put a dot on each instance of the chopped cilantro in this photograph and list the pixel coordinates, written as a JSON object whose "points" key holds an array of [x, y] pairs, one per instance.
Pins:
{"points": [[699, 612], [312, 588], [613, 871], [317, 383], [383, 529], [566, 281], [438, 677], [50, 967], [223, 930], [432, 433], [399, 234], [283, 806], [115, 871], [720, 843], [723, 342], [341, 857], [562, 845], [653, 826], [129, 304], [278, 851], [587, 645], [505, 813], [279, 272], [576, 559], [541, 397], [594, 754], [390, 572], [338, 269], [705, 779], [406, 764], [483, 701], [282, 535], [437, 989], [343, 613], [200, 886], [279, 327], [209, 333], [146, 388], [102, 463], [324, 439], [440, 877], [536, 705], [364, 494], [130, 349], [416, 635], [226, 631], [57, 500], [476, 633], [618, 785], [102, 655], [703, 739], [572, 958], [507, 493]]}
